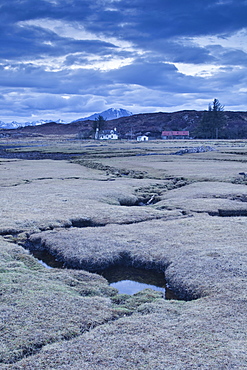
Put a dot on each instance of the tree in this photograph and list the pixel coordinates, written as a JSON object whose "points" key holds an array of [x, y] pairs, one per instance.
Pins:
{"points": [[98, 125], [212, 121], [216, 117]]}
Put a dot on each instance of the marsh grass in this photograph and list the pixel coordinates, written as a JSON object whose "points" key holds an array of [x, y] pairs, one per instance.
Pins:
{"points": [[35, 303], [72, 319]]}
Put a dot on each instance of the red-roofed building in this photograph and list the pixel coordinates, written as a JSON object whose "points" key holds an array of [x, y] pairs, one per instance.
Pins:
{"points": [[175, 135]]}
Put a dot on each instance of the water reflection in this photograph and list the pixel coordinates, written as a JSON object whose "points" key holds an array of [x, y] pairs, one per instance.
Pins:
{"points": [[131, 280], [128, 280], [131, 287]]}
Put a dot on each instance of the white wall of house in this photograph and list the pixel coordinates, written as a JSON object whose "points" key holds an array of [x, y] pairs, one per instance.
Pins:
{"points": [[142, 138], [108, 135]]}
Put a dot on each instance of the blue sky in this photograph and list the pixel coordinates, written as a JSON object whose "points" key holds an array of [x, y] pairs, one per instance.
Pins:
{"points": [[70, 58]]}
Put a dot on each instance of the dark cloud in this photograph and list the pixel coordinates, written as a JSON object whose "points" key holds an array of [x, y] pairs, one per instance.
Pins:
{"points": [[145, 74], [164, 19], [27, 76], [228, 56], [25, 42], [178, 52]]}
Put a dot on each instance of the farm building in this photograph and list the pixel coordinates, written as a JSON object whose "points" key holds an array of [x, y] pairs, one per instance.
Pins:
{"points": [[142, 138]]}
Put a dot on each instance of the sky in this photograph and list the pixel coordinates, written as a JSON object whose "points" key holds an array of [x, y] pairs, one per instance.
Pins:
{"points": [[67, 59]]}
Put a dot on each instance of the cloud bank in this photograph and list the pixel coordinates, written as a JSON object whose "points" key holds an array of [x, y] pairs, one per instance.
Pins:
{"points": [[70, 58]]}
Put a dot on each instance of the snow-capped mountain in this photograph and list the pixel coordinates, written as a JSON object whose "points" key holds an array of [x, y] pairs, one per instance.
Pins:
{"points": [[10, 125], [14, 124], [108, 114]]}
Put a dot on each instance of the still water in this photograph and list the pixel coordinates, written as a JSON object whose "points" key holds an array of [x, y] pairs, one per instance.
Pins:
{"points": [[126, 279], [131, 280], [132, 287]]}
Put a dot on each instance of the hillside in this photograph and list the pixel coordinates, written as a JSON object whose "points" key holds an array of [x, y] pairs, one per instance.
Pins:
{"points": [[155, 123], [131, 126]]}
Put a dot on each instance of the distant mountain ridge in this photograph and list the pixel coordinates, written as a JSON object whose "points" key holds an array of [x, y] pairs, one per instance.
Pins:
{"points": [[14, 124], [129, 127], [108, 114]]}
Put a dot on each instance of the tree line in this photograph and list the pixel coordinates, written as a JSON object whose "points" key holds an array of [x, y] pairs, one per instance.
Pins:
{"points": [[214, 125]]}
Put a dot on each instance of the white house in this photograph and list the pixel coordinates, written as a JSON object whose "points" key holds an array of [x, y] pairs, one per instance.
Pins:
{"points": [[142, 138], [108, 134]]}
